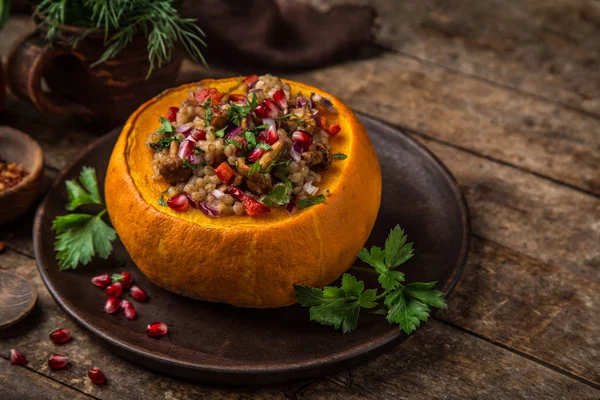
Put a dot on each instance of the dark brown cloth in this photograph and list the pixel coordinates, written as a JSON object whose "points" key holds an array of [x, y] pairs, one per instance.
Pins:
{"points": [[280, 35]]}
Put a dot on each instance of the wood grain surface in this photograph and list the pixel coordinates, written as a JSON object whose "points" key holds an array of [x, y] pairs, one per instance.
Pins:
{"points": [[507, 95]]}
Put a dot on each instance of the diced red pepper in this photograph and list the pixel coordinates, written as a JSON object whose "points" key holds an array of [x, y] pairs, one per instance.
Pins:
{"points": [[172, 114], [236, 98], [224, 172], [240, 140], [254, 208], [249, 80], [334, 129], [214, 94]]}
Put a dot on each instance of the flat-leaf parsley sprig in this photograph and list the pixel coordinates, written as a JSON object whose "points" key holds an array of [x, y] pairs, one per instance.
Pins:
{"points": [[81, 236], [405, 305]]}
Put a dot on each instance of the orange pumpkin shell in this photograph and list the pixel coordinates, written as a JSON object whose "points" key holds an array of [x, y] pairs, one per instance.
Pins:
{"points": [[241, 260]]}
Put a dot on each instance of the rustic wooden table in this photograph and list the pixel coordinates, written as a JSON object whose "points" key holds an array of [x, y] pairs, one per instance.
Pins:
{"points": [[508, 97]]}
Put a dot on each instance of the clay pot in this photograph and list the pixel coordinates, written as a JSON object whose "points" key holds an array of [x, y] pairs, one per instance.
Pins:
{"points": [[109, 91]]}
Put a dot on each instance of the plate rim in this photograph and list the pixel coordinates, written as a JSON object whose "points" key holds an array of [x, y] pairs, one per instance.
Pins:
{"points": [[362, 349]]}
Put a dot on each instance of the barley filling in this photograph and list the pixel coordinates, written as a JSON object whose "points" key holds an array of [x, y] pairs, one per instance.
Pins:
{"points": [[255, 147]]}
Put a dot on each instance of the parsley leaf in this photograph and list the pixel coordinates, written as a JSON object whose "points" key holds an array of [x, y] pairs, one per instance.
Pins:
{"points": [[311, 201], [161, 201], [237, 144], [165, 126], [407, 305], [264, 146], [235, 113], [188, 165], [255, 167], [80, 237], [335, 306], [279, 195], [250, 140], [88, 194], [221, 132], [340, 156], [208, 116]]}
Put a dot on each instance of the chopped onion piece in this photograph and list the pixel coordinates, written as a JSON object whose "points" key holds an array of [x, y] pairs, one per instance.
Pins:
{"points": [[186, 148], [208, 211], [290, 208], [218, 194], [323, 101], [185, 129], [309, 188], [234, 132]]}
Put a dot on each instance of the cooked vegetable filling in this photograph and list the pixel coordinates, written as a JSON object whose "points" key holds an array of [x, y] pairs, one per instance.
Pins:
{"points": [[246, 151]]}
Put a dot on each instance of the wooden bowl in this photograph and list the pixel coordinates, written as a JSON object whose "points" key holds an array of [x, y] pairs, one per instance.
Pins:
{"points": [[20, 148]]}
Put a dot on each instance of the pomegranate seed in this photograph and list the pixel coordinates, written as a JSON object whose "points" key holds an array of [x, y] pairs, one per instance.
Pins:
{"points": [[178, 202], [280, 99], [101, 281], [334, 129], [17, 358], [112, 305], [172, 114], [58, 361], [272, 136], [255, 155], [138, 293], [124, 278], [97, 376], [128, 309], [237, 194], [157, 329], [303, 138], [267, 109], [114, 290], [60, 336]]}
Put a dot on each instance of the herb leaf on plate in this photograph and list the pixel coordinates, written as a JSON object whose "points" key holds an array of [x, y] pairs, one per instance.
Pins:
{"points": [[406, 305], [88, 194]]}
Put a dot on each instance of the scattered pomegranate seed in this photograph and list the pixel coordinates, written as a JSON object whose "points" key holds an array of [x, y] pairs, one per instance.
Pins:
{"points": [[114, 290], [272, 136], [124, 278], [97, 376], [112, 305], [17, 358], [303, 138], [58, 361], [178, 202], [267, 109], [172, 114], [138, 293], [128, 309], [156, 329], [60, 336], [334, 129], [255, 155], [101, 281]]}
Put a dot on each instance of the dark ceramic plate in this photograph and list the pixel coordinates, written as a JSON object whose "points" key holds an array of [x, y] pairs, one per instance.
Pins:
{"points": [[234, 346]]}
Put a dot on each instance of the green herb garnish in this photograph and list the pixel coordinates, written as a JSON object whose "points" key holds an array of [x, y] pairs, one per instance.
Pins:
{"points": [[406, 305], [79, 237], [208, 116], [221, 132], [198, 150], [188, 165], [237, 144], [255, 168], [235, 113], [263, 146], [161, 201], [279, 195], [340, 156], [311, 201], [250, 140]]}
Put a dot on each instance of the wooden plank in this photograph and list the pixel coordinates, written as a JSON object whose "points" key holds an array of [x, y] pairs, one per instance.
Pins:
{"points": [[530, 306], [454, 362], [535, 135], [19, 383], [438, 363], [542, 219], [545, 48]]}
